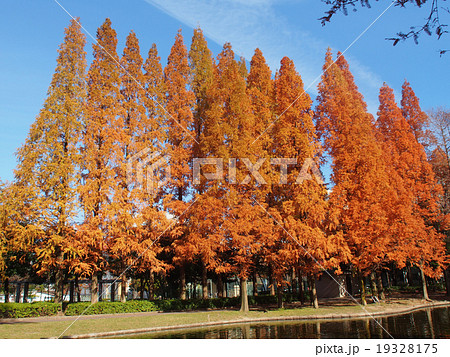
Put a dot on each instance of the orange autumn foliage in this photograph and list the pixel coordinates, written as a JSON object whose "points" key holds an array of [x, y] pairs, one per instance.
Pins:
{"points": [[360, 200], [418, 241], [48, 164]]}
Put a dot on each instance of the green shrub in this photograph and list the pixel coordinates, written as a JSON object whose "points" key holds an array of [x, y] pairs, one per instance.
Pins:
{"points": [[34, 309], [196, 304], [14, 310], [107, 307], [217, 303]]}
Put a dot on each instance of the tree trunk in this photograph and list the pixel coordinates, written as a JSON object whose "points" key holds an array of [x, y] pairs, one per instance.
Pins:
{"points": [[447, 280], [349, 284], [363, 290], [430, 323], [6, 289], [381, 295], [408, 276], [77, 287], [388, 279], [204, 282], [245, 332], [18, 292], [151, 286], [113, 292], [94, 288], [255, 283], [280, 303], [123, 288], [194, 289], [424, 285], [71, 292], [272, 284], [294, 282], [182, 282], [314, 300], [244, 297], [373, 284], [141, 292], [100, 290], [220, 286], [59, 280], [301, 293], [26, 287]]}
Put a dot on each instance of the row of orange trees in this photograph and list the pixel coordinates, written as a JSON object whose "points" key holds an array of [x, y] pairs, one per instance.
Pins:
{"points": [[71, 211]]}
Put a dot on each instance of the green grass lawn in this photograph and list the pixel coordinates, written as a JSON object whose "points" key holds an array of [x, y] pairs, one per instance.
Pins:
{"points": [[46, 329]]}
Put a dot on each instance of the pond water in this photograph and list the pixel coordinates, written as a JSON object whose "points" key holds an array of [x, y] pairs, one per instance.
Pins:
{"points": [[427, 323]]}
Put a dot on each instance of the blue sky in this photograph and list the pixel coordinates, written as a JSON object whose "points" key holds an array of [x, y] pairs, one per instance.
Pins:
{"points": [[31, 32]]}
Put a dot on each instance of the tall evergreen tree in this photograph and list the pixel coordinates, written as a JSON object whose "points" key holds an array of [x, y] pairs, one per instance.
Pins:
{"points": [[300, 202], [48, 161], [203, 232], [416, 118], [230, 138], [136, 220], [155, 99], [260, 89], [180, 138], [361, 189], [103, 113], [419, 243], [151, 136]]}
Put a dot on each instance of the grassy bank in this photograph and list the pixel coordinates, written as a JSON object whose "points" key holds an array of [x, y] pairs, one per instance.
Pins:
{"points": [[22, 310], [54, 326]]}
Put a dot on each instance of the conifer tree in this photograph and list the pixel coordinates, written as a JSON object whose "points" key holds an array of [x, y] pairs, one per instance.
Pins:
{"points": [[243, 67], [260, 89], [202, 71], [230, 137], [153, 136], [416, 118], [420, 243], [180, 138], [154, 101], [15, 234], [300, 205], [103, 112], [204, 220], [361, 189], [136, 221], [48, 161]]}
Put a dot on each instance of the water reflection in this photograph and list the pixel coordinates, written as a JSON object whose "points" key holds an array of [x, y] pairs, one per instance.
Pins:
{"points": [[428, 323]]}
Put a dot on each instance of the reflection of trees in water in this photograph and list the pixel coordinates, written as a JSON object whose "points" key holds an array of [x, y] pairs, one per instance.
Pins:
{"points": [[367, 328], [429, 323], [379, 330], [245, 331]]}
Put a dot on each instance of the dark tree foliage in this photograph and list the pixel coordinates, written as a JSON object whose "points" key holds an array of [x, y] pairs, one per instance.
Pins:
{"points": [[432, 23]]}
